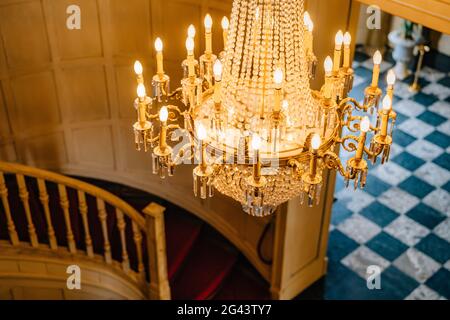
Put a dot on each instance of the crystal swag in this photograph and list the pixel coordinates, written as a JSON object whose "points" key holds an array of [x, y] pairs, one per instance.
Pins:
{"points": [[202, 311]]}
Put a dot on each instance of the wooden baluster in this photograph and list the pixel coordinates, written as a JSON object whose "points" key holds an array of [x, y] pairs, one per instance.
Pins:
{"points": [[13, 237], [121, 225], [44, 198], [84, 215], [24, 197], [102, 216], [137, 237], [64, 202]]}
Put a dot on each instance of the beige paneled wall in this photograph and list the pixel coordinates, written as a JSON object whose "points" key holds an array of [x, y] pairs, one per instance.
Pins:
{"points": [[66, 95]]}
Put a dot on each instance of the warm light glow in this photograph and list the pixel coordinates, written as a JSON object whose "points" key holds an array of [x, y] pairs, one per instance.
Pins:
{"points": [[328, 65], [138, 68], [217, 70], [285, 105], [278, 76], [347, 39], [225, 23], [208, 22], [391, 78], [190, 44], [141, 91], [163, 114], [308, 22], [387, 103], [316, 142], [306, 18], [339, 38], [377, 57], [191, 31], [201, 132], [256, 142], [158, 45], [365, 124]]}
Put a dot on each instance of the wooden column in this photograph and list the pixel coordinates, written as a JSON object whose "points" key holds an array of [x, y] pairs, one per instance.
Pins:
{"points": [[156, 246]]}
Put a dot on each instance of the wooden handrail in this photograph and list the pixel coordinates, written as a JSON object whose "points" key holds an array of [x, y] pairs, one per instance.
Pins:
{"points": [[149, 227], [108, 197]]}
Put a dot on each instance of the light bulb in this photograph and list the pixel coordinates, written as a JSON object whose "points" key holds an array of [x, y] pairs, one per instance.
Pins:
{"points": [[208, 22], [191, 31], [138, 68], [278, 76], [387, 103], [217, 70], [328, 65], [306, 18], [365, 124], [141, 91], [339, 38], [163, 114], [285, 105], [158, 45], [256, 142], [315, 142], [190, 44], [347, 39], [225, 23], [201, 132], [377, 57], [310, 26], [391, 77]]}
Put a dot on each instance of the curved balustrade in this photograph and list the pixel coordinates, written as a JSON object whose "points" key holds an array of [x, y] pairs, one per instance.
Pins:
{"points": [[82, 208]]}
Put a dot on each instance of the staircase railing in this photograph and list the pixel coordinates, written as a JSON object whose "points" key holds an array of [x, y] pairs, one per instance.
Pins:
{"points": [[149, 227]]}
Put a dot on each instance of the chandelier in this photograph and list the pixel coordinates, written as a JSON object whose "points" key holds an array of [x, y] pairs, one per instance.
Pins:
{"points": [[250, 121]]}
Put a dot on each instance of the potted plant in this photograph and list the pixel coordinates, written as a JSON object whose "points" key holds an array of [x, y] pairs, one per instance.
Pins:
{"points": [[404, 40]]}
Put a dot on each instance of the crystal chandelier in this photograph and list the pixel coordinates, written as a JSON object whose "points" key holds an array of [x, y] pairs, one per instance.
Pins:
{"points": [[248, 117]]}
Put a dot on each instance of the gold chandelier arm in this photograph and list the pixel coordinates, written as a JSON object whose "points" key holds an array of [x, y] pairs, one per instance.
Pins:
{"points": [[151, 116], [351, 103], [182, 153], [332, 162], [349, 143]]}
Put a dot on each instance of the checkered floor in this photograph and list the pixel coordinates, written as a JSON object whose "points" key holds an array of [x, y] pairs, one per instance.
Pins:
{"points": [[401, 220]]}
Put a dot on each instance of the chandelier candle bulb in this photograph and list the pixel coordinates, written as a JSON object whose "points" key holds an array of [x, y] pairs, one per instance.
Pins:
{"points": [[190, 56], [347, 42], [256, 146], [159, 57], [225, 27], [377, 58], [387, 106], [309, 38], [208, 34], [278, 80], [201, 136], [142, 117], [391, 82], [191, 31], [339, 39], [365, 127], [328, 66], [138, 69], [163, 116], [315, 145], [218, 82]]}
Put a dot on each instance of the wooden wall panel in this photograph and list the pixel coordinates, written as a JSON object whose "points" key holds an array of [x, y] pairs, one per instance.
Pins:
{"points": [[4, 119], [46, 151], [36, 105], [24, 34], [94, 146], [86, 96], [131, 25], [82, 43], [126, 91]]}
